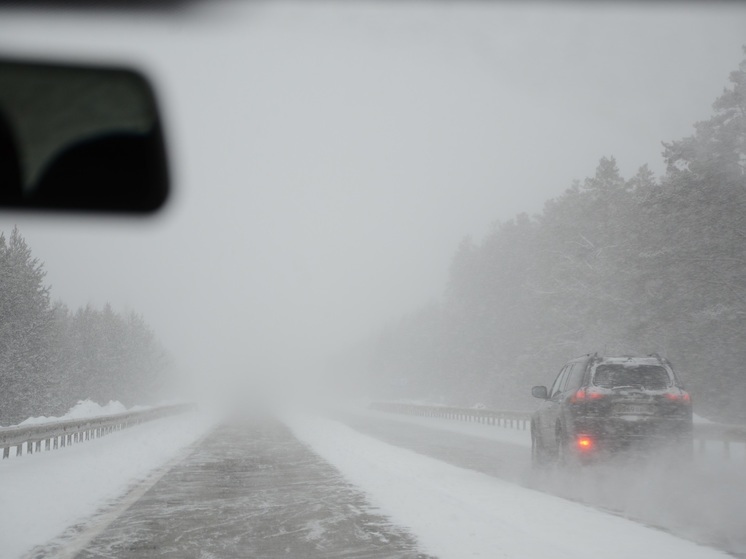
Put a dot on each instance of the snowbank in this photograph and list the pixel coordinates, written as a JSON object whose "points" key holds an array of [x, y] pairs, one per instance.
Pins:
{"points": [[83, 410]]}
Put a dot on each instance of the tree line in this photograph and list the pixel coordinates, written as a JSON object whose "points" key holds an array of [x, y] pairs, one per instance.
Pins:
{"points": [[614, 265], [52, 357]]}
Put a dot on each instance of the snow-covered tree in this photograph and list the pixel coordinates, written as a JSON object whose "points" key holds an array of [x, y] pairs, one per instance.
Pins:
{"points": [[25, 321], [50, 357], [612, 265]]}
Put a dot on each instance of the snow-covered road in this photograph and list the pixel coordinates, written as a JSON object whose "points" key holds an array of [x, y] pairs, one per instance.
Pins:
{"points": [[705, 503], [359, 484], [456, 512], [249, 489]]}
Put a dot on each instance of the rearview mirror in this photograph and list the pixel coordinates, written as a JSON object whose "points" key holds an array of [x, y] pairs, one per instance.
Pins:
{"points": [[539, 392], [79, 138]]}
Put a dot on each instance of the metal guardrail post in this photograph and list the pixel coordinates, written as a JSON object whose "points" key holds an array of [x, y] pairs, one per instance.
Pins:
{"points": [[499, 418], [722, 433]]}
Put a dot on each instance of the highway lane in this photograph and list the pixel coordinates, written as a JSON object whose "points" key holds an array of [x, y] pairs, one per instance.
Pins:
{"points": [[252, 490], [699, 502], [249, 489]]}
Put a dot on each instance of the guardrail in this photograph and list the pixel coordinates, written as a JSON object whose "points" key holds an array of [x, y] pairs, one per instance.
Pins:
{"points": [[514, 419], [703, 432], [64, 433], [719, 432]]}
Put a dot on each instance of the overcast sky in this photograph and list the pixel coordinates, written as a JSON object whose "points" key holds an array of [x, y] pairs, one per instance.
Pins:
{"points": [[329, 157]]}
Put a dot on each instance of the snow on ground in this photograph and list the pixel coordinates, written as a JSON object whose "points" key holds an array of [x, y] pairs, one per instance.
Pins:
{"points": [[460, 513], [41, 495], [83, 410]]}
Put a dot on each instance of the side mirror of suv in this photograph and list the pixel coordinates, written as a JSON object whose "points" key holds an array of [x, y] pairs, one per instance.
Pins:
{"points": [[539, 392]]}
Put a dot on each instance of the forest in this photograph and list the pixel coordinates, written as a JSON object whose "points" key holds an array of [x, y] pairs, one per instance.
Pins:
{"points": [[615, 265], [52, 357]]}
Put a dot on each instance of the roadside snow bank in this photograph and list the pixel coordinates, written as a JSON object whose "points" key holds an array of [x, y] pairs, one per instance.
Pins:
{"points": [[83, 410], [461, 513], [41, 496]]}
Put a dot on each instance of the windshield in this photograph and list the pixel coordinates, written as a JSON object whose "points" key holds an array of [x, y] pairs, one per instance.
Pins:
{"points": [[649, 377], [388, 221]]}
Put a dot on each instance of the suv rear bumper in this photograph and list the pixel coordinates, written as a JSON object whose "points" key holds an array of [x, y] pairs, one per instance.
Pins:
{"points": [[618, 433]]}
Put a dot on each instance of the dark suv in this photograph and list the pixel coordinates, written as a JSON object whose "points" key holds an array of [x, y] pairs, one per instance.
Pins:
{"points": [[600, 405]]}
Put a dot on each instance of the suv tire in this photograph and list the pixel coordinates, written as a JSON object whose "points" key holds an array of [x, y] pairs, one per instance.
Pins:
{"points": [[539, 457], [565, 457]]}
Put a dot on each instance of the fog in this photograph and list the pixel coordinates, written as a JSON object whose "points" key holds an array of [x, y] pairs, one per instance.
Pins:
{"points": [[328, 158]]}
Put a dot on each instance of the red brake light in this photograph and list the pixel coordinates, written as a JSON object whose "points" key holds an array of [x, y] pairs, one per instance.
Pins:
{"points": [[586, 393], [584, 442], [678, 395]]}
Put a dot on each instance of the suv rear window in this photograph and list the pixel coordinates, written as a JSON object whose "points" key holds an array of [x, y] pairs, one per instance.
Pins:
{"points": [[650, 377]]}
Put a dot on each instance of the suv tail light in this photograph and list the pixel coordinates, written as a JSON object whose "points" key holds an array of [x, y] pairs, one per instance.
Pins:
{"points": [[585, 394], [678, 395]]}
